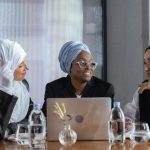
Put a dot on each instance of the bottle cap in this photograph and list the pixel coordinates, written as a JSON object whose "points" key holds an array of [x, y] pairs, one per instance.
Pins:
{"points": [[37, 106], [116, 104]]}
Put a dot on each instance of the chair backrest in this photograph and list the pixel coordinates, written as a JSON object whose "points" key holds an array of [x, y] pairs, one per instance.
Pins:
{"points": [[7, 103]]}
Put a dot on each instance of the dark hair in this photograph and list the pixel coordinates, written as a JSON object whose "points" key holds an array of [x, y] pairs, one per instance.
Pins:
{"points": [[147, 49]]}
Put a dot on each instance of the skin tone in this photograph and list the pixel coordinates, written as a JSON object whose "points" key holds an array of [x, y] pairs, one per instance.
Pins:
{"points": [[146, 85], [20, 72], [128, 124], [80, 76]]}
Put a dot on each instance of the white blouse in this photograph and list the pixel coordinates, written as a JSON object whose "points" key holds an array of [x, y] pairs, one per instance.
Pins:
{"points": [[132, 109]]}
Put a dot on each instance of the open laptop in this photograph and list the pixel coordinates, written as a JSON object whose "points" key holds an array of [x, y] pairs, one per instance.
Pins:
{"points": [[90, 117]]}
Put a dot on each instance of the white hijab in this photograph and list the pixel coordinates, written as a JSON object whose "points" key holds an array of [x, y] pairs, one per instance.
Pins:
{"points": [[11, 55]]}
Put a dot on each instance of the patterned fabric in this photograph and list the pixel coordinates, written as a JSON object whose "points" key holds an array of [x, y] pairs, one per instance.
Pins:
{"points": [[69, 52]]}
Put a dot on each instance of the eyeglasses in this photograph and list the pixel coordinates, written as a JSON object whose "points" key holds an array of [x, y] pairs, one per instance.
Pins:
{"points": [[83, 64]]}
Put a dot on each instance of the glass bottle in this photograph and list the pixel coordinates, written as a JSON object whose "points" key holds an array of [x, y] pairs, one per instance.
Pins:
{"points": [[116, 125], [67, 136], [37, 128]]}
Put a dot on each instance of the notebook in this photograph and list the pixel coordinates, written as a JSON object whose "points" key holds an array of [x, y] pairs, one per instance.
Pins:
{"points": [[89, 117]]}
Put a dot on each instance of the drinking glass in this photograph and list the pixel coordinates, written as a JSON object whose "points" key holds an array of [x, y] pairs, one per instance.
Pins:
{"points": [[22, 134], [140, 132]]}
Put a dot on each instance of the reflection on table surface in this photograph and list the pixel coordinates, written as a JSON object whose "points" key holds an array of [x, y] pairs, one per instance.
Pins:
{"points": [[80, 145]]}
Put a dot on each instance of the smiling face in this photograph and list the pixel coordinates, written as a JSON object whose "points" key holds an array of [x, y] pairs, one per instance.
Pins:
{"points": [[147, 63], [79, 73], [20, 72]]}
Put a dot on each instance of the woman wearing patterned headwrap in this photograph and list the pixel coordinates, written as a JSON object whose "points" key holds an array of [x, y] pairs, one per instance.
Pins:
{"points": [[12, 72], [76, 60]]}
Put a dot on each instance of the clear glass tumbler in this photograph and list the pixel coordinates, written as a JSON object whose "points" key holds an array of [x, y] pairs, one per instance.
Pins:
{"points": [[140, 132], [22, 134]]}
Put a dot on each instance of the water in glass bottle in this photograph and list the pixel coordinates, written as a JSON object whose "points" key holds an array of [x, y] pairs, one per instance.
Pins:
{"points": [[37, 128], [116, 125]]}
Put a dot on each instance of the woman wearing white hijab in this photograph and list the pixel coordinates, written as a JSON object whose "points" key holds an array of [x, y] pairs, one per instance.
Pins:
{"points": [[77, 61], [12, 73]]}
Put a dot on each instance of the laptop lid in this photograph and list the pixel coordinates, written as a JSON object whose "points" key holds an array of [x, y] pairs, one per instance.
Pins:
{"points": [[90, 117]]}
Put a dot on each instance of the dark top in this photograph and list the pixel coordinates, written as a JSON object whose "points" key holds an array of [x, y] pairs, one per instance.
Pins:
{"points": [[7, 104], [62, 87], [144, 106]]}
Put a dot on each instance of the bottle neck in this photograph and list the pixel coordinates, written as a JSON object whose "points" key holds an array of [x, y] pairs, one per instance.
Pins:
{"points": [[116, 104]]}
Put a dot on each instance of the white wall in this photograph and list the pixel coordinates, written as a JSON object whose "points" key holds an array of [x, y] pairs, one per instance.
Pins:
{"points": [[127, 38]]}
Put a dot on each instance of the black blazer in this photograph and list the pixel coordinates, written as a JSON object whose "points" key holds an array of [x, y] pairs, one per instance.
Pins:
{"points": [[62, 87]]}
